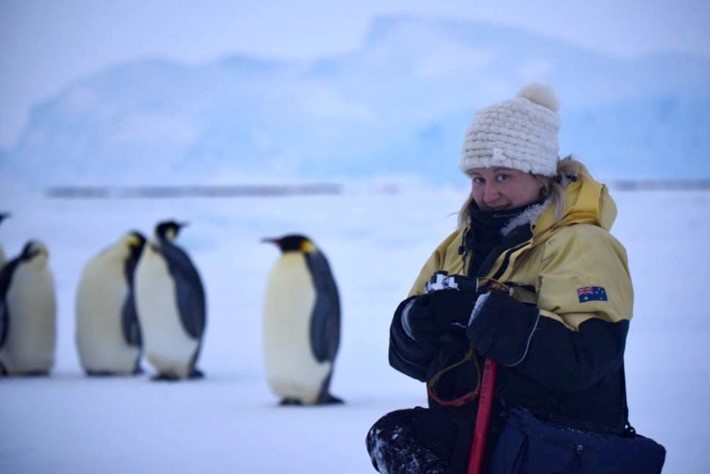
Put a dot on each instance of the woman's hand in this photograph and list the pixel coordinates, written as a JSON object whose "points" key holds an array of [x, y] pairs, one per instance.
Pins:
{"points": [[502, 328], [429, 316]]}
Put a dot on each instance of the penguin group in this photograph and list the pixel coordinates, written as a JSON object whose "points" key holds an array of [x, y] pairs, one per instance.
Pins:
{"points": [[141, 296], [134, 297], [144, 298]]}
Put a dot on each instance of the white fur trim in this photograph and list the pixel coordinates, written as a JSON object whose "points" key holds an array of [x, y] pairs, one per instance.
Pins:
{"points": [[528, 216]]}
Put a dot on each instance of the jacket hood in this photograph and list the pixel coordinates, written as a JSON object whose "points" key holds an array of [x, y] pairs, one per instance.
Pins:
{"points": [[587, 201]]}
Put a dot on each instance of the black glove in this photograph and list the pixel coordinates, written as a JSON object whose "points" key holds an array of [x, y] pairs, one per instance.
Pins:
{"points": [[452, 307], [429, 316], [418, 321], [501, 328]]}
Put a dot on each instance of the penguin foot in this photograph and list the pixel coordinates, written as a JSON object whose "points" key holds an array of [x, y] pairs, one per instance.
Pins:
{"points": [[110, 373], [100, 373], [165, 378], [34, 373], [286, 402]]}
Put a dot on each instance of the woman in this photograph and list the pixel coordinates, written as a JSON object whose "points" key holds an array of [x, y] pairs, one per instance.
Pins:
{"points": [[551, 291]]}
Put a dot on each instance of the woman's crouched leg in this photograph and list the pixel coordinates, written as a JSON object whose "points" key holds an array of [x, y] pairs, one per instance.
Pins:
{"points": [[417, 440]]}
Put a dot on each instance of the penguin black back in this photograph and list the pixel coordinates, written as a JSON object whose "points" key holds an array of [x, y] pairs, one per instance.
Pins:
{"points": [[325, 325], [189, 290]]}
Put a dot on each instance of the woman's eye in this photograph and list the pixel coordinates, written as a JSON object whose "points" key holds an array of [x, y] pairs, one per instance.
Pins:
{"points": [[477, 180], [502, 177]]}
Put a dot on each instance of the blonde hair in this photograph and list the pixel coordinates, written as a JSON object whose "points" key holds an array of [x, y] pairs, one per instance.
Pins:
{"points": [[568, 169]]}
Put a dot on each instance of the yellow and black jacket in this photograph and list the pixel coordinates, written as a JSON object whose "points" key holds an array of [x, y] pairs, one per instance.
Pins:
{"points": [[560, 341]]}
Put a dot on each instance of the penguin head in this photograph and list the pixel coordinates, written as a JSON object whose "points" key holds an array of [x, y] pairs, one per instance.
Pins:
{"points": [[168, 230], [135, 242], [32, 249], [135, 239], [293, 243]]}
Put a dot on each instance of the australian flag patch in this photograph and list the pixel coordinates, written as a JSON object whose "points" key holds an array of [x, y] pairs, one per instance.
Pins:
{"points": [[591, 293]]}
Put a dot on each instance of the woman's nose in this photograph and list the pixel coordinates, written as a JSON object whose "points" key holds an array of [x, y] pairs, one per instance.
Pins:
{"points": [[490, 193]]}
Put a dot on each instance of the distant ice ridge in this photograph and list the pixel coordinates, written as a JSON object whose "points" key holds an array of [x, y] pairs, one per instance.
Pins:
{"points": [[399, 104]]}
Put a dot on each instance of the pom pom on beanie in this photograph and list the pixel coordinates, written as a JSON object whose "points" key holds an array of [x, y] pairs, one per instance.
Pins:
{"points": [[520, 133]]}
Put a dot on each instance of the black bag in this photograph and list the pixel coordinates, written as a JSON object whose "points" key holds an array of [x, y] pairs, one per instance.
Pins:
{"points": [[531, 446]]}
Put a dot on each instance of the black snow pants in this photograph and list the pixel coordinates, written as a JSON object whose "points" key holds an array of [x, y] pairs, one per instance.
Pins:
{"points": [[421, 441]]}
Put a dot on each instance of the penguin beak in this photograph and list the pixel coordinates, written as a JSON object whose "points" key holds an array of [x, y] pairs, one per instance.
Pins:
{"points": [[34, 250], [270, 240]]}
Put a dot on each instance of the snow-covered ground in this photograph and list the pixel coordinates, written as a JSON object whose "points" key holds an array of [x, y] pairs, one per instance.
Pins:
{"points": [[376, 241]]}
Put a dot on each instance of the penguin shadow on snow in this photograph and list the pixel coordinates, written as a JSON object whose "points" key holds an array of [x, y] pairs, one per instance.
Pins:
{"points": [[301, 323], [28, 319], [108, 334], [171, 305]]}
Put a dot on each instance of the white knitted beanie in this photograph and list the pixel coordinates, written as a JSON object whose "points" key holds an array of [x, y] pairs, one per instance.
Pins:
{"points": [[519, 133]]}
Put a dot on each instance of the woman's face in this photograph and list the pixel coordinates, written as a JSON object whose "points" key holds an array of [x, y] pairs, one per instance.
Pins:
{"points": [[504, 188]]}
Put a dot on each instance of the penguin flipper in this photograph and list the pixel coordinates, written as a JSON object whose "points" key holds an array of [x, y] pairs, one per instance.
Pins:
{"points": [[195, 373], [328, 399], [325, 319], [189, 289], [325, 397], [129, 312], [129, 323]]}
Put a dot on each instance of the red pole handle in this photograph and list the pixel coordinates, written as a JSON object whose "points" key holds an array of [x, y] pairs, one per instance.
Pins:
{"points": [[483, 416]]}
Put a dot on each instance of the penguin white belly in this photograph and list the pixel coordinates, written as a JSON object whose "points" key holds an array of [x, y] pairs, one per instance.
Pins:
{"points": [[291, 368], [32, 330], [167, 346], [99, 320]]}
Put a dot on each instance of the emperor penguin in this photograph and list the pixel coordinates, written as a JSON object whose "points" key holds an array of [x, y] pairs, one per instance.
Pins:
{"points": [[171, 305], [108, 334], [3, 216], [301, 323], [28, 325]]}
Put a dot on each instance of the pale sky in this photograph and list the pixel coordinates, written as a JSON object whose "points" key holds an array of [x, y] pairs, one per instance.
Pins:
{"points": [[45, 44]]}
